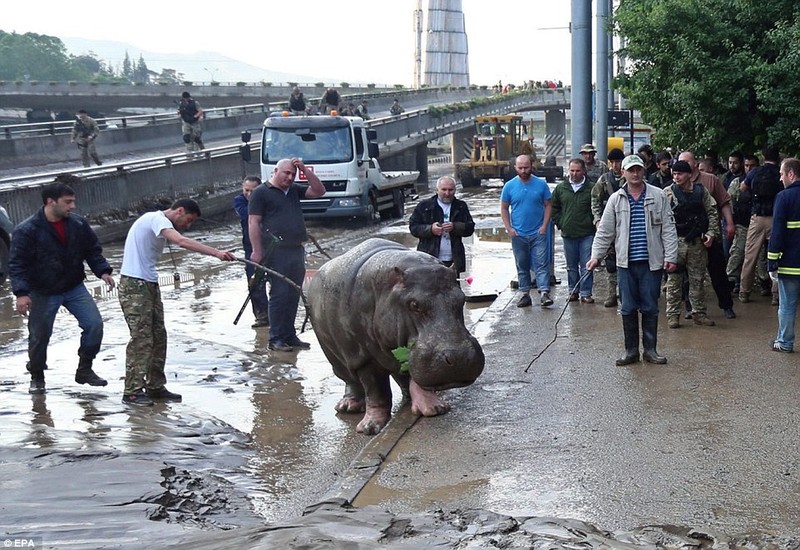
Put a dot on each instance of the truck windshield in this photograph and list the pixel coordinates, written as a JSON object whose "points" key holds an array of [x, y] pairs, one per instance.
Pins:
{"points": [[313, 145]]}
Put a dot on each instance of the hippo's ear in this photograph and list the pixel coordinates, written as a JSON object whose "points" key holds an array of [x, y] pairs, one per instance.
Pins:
{"points": [[396, 277]]}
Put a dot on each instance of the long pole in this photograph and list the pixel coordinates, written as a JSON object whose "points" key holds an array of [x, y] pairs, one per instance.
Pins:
{"points": [[581, 99]]}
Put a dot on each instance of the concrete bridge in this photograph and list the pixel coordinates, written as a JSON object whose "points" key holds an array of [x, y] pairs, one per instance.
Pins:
{"points": [[116, 189]]}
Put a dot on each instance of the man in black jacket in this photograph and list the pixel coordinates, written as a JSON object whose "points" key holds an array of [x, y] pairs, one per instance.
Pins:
{"points": [[440, 222], [46, 268]]}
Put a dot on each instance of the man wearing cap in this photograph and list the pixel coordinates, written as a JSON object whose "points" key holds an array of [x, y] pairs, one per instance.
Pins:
{"points": [[594, 167], [697, 225], [606, 186], [638, 221]]}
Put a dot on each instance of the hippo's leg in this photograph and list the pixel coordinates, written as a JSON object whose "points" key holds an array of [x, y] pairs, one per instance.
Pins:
{"points": [[378, 392], [353, 399], [425, 402]]}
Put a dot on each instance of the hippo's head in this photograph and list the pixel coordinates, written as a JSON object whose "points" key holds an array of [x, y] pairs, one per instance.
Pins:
{"points": [[425, 305]]}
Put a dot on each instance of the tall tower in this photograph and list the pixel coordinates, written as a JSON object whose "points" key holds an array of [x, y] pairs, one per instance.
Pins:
{"points": [[446, 59]]}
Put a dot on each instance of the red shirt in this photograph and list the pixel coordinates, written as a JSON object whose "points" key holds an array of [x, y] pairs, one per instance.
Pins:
{"points": [[60, 227]]}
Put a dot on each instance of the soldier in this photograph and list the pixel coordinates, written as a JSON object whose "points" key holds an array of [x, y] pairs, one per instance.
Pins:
{"points": [[191, 118], [697, 224], [594, 168], [396, 109], [606, 185], [84, 132], [741, 205]]}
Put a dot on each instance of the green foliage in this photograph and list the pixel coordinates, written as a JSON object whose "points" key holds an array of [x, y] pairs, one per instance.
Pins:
{"points": [[399, 86], [344, 84], [402, 354], [319, 84], [371, 86], [713, 73]]}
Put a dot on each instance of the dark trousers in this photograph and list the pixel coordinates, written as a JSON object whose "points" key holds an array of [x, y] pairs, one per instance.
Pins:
{"points": [[717, 271], [283, 297]]}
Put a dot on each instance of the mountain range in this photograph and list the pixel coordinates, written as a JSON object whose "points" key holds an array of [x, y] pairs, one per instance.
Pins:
{"points": [[197, 67]]}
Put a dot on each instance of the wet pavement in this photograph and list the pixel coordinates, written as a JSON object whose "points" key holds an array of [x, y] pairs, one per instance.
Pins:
{"points": [[707, 441]]}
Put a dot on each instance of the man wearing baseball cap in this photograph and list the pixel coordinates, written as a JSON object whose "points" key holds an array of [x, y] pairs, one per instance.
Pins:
{"points": [[638, 221]]}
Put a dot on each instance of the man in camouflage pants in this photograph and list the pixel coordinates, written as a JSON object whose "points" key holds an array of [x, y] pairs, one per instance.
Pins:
{"points": [[140, 297], [697, 224]]}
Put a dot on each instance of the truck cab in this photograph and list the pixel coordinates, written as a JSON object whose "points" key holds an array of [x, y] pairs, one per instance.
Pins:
{"points": [[343, 153]]}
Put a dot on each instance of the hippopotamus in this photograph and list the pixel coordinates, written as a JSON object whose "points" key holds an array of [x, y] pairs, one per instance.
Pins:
{"points": [[378, 297]]}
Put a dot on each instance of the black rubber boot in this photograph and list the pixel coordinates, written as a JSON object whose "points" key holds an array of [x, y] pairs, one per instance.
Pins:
{"points": [[630, 326], [37, 383], [85, 374], [650, 339]]}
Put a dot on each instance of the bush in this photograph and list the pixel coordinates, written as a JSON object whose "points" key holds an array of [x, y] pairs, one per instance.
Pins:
{"points": [[33, 82], [399, 86], [344, 84], [371, 86], [188, 83], [215, 83], [240, 84], [319, 84], [53, 83], [292, 84]]}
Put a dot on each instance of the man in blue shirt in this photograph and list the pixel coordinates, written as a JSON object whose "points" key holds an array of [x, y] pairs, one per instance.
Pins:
{"points": [[525, 207], [256, 283]]}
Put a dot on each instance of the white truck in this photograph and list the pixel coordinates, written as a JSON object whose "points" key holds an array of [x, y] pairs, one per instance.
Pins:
{"points": [[343, 153]]}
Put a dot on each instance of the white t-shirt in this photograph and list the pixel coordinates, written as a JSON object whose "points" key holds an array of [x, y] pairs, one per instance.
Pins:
{"points": [[445, 245], [144, 245]]}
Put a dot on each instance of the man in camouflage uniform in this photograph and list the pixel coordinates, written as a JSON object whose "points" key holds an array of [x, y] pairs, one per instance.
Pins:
{"points": [[594, 168], [84, 132], [191, 122], [741, 204], [606, 185], [697, 224]]}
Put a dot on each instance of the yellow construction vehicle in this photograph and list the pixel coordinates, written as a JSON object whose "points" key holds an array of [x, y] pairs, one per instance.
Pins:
{"points": [[497, 141]]}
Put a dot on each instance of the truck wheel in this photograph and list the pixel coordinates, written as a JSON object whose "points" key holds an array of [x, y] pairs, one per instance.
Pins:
{"points": [[398, 209], [372, 208]]}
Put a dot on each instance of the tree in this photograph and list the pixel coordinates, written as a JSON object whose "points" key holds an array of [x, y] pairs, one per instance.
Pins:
{"points": [[127, 67], [141, 74], [33, 56], [713, 73]]}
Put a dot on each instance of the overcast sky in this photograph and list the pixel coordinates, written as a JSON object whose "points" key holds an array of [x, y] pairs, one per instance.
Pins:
{"points": [[354, 40]]}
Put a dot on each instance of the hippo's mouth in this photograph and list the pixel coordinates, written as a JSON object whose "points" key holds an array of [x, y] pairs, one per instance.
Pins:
{"points": [[445, 385]]}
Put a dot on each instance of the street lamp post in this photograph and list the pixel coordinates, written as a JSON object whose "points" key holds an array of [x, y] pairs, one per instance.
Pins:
{"points": [[211, 73]]}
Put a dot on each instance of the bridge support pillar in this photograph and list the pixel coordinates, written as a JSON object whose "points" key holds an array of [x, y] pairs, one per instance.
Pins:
{"points": [[421, 158], [555, 139], [461, 144]]}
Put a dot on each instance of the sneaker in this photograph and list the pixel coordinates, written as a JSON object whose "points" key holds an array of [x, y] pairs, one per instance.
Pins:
{"points": [[611, 301], [546, 299], [729, 313], [573, 297], [687, 315], [277, 345], [766, 291], [298, 343], [260, 323], [775, 347], [744, 297], [139, 398], [587, 300], [525, 301], [37, 384], [163, 394]]}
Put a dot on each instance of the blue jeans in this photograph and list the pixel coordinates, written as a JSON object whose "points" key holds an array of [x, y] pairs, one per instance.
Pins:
{"points": [[532, 253], [578, 252], [283, 298], [44, 308], [788, 292], [639, 288]]}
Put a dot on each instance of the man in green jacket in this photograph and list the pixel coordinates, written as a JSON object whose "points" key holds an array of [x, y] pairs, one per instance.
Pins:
{"points": [[572, 214]]}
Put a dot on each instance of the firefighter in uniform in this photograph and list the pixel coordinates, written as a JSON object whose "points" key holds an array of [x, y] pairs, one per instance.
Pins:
{"points": [[697, 224]]}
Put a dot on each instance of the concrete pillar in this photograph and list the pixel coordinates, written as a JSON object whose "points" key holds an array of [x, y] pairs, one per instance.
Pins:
{"points": [[602, 63], [555, 137], [461, 144], [581, 99], [421, 162]]}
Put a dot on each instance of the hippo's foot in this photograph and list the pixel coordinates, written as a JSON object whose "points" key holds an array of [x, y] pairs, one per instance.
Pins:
{"points": [[351, 404], [425, 402], [375, 419]]}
